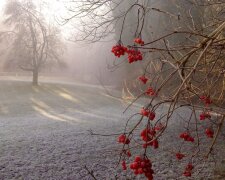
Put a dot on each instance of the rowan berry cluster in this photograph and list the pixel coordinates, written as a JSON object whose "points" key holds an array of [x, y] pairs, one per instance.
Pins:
{"points": [[187, 137], [179, 156], [188, 170], [142, 166], [150, 91], [134, 55], [119, 50], [139, 41], [143, 79]]}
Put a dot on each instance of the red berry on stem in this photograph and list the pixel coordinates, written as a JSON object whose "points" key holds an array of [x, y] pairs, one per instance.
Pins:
{"points": [[209, 133], [180, 156], [155, 143], [187, 173], [123, 139], [140, 171], [189, 167], [144, 112], [150, 92], [137, 159], [128, 153], [139, 41], [151, 115], [143, 79]]}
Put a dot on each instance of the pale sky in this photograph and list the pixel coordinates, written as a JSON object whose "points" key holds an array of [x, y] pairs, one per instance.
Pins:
{"points": [[52, 8], [2, 2], [55, 7]]}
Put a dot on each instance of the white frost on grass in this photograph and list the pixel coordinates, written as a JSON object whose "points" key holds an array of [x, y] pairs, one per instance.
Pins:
{"points": [[44, 133]]}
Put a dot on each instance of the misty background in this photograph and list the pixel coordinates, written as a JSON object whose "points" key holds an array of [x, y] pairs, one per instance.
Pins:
{"points": [[90, 60]]}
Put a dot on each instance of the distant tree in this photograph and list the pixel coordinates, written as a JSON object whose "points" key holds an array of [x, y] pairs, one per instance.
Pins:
{"points": [[35, 44]]}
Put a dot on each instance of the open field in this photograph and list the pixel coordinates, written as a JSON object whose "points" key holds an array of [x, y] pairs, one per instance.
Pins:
{"points": [[44, 133]]}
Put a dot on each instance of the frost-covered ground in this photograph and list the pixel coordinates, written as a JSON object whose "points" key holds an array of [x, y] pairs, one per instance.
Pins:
{"points": [[44, 134]]}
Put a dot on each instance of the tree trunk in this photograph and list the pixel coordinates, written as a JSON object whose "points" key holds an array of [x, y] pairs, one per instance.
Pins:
{"points": [[35, 77]]}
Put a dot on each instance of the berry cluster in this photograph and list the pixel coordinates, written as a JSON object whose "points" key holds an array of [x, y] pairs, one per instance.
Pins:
{"points": [[148, 113], [147, 136], [204, 115], [143, 79], [119, 50], [150, 92], [134, 55], [139, 41], [188, 170], [123, 139], [206, 100], [209, 133], [142, 166], [186, 137], [179, 156]]}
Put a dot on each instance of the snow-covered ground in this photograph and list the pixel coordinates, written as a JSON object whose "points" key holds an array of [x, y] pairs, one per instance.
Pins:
{"points": [[44, 133]]}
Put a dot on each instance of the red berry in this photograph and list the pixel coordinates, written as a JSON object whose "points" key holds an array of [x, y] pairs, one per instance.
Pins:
{"points": [[204, 115], [186, 137], [135, 165], [140, 171], [149, 176], [143, 79], [136, 171], [144, 112], [187, 173], [190, 139], [128, 153], [206, 100], [180, 156], [123, 139], [137, 159], [209, 132], [189, 167], [143, 164], [124, 165], [139, 41], [150, 92], [155, 143], [132, 166], [147, 161], [151, 116]]}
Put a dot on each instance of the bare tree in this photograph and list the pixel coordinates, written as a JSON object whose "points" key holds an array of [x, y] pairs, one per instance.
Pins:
{"points": [[35, 43]]}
